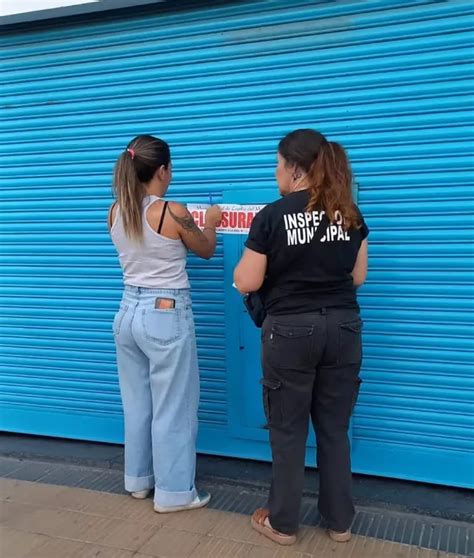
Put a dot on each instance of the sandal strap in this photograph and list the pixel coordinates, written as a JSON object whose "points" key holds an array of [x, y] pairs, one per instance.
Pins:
{"points": [[260, 516]]}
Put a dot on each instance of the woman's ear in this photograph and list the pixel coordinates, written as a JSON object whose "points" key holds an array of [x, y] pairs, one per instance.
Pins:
{"points": [[296, 175], [161, 172]]}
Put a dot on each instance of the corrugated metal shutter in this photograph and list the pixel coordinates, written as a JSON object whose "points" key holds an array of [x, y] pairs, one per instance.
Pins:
{"points": [[392, 80]]}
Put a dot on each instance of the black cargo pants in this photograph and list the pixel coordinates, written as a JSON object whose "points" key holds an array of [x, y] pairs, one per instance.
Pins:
{"points": [[311, 366]]}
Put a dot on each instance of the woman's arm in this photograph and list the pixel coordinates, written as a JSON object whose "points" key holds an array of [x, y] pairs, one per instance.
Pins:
{"points": [[250, 271], [359, 273], [202, 243]]}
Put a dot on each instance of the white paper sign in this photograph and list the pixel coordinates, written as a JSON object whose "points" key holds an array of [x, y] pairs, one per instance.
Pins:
{"points": [[236, 219]]}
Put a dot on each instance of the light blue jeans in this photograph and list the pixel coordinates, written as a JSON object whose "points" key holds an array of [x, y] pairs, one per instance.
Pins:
{"points": [[159, 384]]}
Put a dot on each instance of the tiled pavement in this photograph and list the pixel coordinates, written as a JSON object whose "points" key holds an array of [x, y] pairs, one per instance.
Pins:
{"points": [[53, 521]]}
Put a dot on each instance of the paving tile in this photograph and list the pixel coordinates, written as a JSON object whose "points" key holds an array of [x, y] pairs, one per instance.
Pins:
{"points": [[72, 499], [29, 492], [61, 523], [313, 539], [14, 514], [220, 548], [336, 550], [5, 485], [17, 544], [277, 552], [237, 528], [110, 505], [33, 519], [56, 548], [79, 499], [127, 535], [96, 551], [373, 547], [82, 527], [171, 543], [63, 548], [197, 521]]}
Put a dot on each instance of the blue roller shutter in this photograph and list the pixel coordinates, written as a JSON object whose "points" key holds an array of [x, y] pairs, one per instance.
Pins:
{"points": [[392, 80]]}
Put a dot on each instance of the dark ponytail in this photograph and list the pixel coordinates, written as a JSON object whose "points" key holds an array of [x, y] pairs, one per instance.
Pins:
{"points": [[135, 168], [328, 170]]}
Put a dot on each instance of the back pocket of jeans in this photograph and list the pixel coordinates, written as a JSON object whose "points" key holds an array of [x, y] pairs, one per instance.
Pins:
{"points": [[350, 342], [162, 326]]}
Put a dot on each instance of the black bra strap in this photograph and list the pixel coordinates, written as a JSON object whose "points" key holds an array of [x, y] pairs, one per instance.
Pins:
{"points": [[109, 217], [160, 226]]}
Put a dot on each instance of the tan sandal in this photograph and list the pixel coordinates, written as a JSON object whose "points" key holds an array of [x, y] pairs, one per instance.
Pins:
{"points": [[339, 537], [261, 523]]}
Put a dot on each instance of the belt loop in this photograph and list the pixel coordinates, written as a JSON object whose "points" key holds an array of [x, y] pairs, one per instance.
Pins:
{"points": [[323, 311]]}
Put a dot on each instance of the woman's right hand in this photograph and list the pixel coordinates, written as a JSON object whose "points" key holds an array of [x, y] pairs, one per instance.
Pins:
{"points": [[213, 216]]}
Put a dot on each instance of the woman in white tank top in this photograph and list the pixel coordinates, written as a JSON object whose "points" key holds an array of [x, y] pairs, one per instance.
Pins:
{"points": [[154, 327]]}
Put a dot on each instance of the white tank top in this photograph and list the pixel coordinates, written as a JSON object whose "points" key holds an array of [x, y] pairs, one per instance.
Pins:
{"points": [[157, 262]]}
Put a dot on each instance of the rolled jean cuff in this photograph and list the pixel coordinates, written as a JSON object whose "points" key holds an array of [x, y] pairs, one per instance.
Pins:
{"points": [[170, 499], [136, 484]]}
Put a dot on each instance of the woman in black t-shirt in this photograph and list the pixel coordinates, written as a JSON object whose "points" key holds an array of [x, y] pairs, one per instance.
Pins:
{"points": [[306, 255]]}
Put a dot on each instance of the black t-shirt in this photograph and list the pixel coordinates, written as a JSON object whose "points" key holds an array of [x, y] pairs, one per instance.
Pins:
{"points": [[310, 260]]}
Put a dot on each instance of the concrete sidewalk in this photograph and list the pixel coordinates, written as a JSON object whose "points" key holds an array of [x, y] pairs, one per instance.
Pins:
{"points": [[49, 521]]}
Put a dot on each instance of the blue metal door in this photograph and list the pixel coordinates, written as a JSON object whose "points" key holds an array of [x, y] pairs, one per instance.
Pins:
{"points": [[246, 416]]}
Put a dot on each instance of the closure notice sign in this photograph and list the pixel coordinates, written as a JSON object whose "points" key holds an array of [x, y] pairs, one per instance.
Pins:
{"points": [[236, 219]]}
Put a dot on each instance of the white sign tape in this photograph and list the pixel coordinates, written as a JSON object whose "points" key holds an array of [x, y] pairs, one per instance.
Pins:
{"points": [[236, 219]]}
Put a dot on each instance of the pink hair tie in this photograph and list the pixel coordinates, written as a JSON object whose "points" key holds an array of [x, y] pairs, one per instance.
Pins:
{"points": [[132, 152]]}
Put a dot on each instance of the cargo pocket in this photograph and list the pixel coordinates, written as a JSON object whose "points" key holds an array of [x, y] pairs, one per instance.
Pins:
{"points": [[162, 326], [356, 394], [118, 319], [350, 342], [272, 402]]}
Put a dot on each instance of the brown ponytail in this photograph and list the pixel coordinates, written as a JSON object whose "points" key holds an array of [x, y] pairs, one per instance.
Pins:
{"points": [[328, 173], [330, 181], [129, 192], [135, 168]]}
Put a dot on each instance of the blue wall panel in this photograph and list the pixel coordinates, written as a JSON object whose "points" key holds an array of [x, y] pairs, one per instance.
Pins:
{"points": [[392, 80]]}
